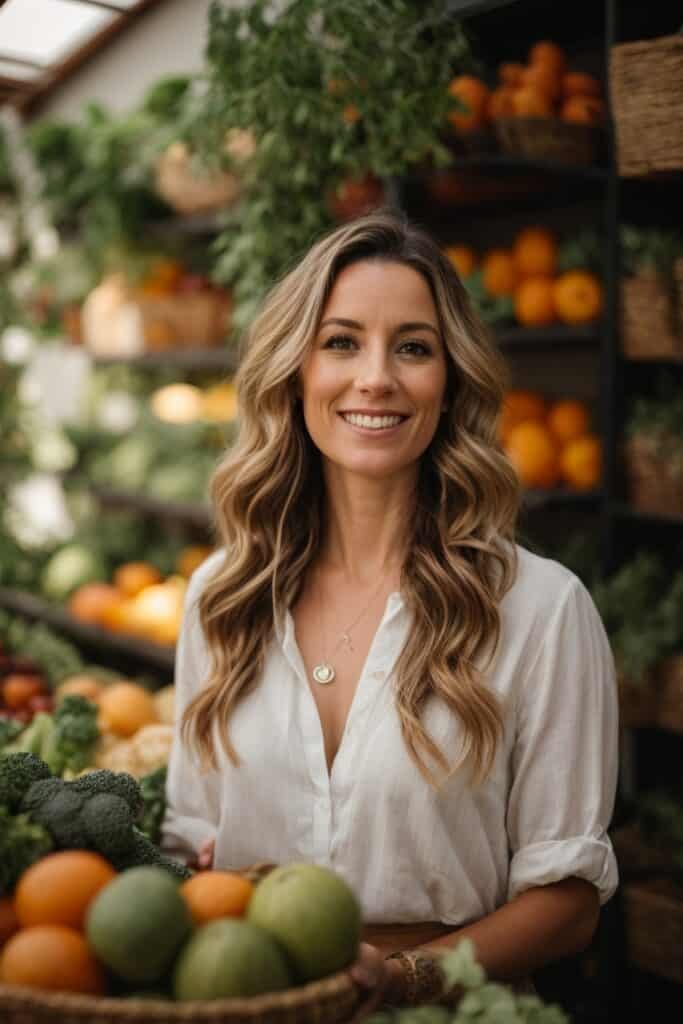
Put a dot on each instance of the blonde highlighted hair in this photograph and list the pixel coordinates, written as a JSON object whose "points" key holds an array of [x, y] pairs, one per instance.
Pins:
{"points": [[268, 497]]}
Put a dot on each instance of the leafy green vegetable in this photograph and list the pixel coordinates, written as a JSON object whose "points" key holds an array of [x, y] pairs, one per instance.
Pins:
{"points": [[69, 744], [153, 789], [10, 729], [51, 653], [17, 773], [22, 842], [649, 249]]}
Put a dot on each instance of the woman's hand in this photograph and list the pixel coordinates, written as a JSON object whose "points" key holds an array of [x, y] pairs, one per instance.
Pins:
{"points": [[381, 978], [205, 855]]}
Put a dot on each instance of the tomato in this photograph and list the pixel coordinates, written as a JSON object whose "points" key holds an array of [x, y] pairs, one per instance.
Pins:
{"points": [[41, 702], [18, 689]]}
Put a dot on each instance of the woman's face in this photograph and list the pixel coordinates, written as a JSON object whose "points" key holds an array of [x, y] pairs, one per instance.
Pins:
{"points": [[374, 383]]}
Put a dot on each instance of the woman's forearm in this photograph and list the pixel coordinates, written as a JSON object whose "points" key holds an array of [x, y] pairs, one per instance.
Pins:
{"points": [[540, 925]]}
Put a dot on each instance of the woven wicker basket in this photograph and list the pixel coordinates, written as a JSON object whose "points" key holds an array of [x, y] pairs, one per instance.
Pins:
{"points": [[650, 317], [646, 81], [657, 703], [653, 912], [654, 486], [549, 138]]}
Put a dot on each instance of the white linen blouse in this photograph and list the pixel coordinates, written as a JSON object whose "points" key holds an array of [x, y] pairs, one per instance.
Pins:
{"points": [[411, 854]]}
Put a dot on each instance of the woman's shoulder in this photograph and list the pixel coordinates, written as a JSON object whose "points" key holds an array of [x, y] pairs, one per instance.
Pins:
{"points": [[203, 574], [540, 586]]}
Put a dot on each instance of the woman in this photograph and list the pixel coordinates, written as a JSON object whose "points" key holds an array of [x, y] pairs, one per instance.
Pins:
{"points": [[371, 674]]}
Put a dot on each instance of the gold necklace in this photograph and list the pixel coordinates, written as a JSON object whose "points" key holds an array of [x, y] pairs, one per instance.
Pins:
{"points": [[323, 672]]}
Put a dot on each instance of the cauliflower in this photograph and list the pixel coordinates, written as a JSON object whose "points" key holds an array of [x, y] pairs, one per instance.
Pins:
{"points": [[164, 700], [151, 747]]}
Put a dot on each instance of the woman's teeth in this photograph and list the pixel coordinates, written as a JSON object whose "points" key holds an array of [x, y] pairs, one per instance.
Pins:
{"points": [[372, 422]]}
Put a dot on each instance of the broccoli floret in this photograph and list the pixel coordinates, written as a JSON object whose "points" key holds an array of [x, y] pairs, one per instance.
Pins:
{"points": [[9, 730], [144, 852], [108, 825], [153, 789], [60, 815], [32, 739], [117, 783], [69, 746], [22, 842], [17, 773], [39, 793]]}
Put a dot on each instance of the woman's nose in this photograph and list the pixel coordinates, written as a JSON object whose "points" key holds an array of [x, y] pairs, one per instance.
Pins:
{"points": [[375, 373]]}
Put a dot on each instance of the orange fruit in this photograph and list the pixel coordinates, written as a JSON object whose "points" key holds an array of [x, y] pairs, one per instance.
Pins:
{"points": [[545, 78], [577, 295], [474, 95], [191, 557], [498, 272], [519, 407], [212, 894], [126, 707], [534, 302], [463, 259], [132, 577], [81, 686], [351, 114], [578, 83], [568, 419], [581, 463], [548, 54], [93, 601], [510, 73], [51, 956], [529, 101], [59, 888], [583, 110], [533, 452], [534, 252], [9, 923], [500, 103]]}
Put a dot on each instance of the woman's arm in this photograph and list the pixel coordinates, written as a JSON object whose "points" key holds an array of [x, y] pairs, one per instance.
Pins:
{"points": [[540, 925]]}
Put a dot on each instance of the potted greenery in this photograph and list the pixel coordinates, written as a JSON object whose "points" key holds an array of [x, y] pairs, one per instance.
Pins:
{"points": [[651, 293], [654, 452]]}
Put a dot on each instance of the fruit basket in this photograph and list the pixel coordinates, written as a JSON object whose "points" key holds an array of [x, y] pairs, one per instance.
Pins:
{"points": [[547, 138], [646, 83], [650, 315], [655, 485]]}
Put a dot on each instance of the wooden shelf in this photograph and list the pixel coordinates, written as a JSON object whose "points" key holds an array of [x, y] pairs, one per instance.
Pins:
{"points": [[192, 513], [557, 336], [224, 359], [535, 499], [134, 650]]}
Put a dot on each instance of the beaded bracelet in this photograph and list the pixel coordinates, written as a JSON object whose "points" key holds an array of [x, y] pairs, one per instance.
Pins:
{"points": [[424, 982]]}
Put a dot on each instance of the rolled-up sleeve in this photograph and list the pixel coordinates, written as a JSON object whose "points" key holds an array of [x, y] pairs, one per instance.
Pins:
{"points": [[192, 796], [565, 756]]}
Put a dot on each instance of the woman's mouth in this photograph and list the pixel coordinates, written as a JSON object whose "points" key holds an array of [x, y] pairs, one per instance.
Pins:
{"points": [[373, 425]]}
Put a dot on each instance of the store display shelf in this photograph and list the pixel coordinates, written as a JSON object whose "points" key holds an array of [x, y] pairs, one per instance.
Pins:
{"points": [[559, 336], [189, 358], [192, 513], [620, 510], [653, 913], [506, 163], [536, 499], [32, 607]]}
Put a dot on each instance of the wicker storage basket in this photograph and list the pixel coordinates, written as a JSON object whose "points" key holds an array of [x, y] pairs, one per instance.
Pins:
{"points": [[658, 702], [194, 320], [646, 81], [187, 191], [650, 317], [653, 912], [654, 484], [549, 138]]}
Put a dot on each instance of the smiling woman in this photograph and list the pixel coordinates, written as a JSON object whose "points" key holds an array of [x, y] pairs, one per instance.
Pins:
{"points": [[372, 675]]}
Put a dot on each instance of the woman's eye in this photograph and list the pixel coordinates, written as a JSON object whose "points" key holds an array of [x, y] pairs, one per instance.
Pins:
{"points": [[422, 349], [338, 341], [342, 342]]}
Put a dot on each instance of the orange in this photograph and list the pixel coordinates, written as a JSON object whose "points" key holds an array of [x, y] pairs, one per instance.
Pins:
{"points": [[529, 101], [581, 463], [93, 601], [351, 114], [548, 54], [577, 295], [544, 77], [212, 894], [81, 686], [51, 956], [126, 707], [518, 407], [568, 419], [578, 83], [500, 103], [533, 452], [463, 259], [534, 302], [583, 110], [59, 888], [9, 922], [498, 272], [191, 557], [474, 96], [535, 252], [510, 73], [132, 577]]}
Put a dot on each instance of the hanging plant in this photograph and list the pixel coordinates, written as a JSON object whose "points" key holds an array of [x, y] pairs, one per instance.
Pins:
{"points": [[339, 96]]}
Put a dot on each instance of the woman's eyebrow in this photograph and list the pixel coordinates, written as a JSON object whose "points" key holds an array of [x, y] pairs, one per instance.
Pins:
{"points": [[412, 325]]}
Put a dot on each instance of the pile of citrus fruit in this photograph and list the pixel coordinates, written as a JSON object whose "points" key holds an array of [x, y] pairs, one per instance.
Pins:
{"points": [[74, 924], [550, 443], [527, 273]]}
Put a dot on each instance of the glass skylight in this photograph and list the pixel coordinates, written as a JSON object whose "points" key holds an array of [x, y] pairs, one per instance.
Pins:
{"points": [[45, 32]]}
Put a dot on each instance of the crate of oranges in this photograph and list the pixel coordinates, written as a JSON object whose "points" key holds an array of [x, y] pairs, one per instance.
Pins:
{"points": [[550, 442], [546, 110]]}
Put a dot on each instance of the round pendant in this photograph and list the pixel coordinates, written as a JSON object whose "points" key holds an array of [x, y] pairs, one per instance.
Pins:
{"points": [[323, 674]]}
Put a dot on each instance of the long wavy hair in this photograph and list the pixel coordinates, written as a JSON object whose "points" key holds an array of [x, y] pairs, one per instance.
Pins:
{"points": [[268, 497]]}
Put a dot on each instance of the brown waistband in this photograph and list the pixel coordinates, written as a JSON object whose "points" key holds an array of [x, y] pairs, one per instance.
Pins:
{"points": [[389, 938]]}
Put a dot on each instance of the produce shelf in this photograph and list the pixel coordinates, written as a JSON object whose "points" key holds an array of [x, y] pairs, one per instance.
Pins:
{"points": [[133, 649], [533, 499], [193, 513], [621, 510], [224, 359], [560, 336]]}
